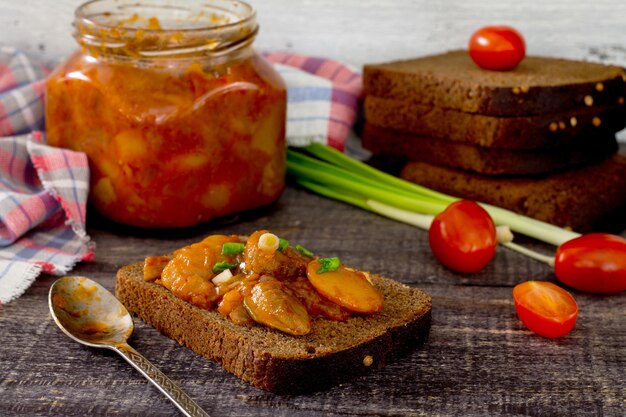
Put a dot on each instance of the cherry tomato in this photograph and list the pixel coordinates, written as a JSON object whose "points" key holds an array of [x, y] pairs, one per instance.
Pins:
{"points": [[463, 237], [497, 48], [545, 308], [593, 263]]}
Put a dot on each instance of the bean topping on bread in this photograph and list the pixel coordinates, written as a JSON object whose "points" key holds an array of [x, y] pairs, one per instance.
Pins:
{"points": [[260, 281]]}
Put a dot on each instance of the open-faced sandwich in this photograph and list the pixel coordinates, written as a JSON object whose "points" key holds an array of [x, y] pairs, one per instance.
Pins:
{"points": [[274, 314]]}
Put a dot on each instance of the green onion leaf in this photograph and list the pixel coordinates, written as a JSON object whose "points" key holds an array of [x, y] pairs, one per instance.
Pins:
{"points": [[304, 251], [232, 248], [282, 244], [333, 174], [222, 266], [328, 265]]}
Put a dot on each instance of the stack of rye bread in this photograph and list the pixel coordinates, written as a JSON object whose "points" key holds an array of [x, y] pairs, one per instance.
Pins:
{"points": [[538, 140]]}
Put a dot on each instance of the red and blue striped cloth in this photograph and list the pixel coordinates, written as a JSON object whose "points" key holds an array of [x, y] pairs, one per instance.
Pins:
{"points": [[43, 190], [323, 98], [43, 196], [22, 84]]}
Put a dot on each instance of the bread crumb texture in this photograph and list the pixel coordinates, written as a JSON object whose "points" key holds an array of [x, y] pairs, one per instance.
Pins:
{"points": [[539, 85], [583, 198]]}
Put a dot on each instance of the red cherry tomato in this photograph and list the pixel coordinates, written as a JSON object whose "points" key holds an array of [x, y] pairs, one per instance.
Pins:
{"points": [[463, 237], [497, 48], [593, 263], [545, 308]]}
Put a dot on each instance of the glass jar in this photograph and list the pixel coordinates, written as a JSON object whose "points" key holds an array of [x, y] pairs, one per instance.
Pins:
{"points": [[181, 120]]}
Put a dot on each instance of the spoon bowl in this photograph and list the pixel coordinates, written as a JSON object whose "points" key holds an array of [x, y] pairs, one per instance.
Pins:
{"points": [[88, 313]]}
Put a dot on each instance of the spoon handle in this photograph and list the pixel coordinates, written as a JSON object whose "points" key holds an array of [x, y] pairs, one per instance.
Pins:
{"points": [[161, 381]]}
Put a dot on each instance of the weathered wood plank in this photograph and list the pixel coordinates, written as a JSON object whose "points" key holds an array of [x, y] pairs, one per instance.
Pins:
{"points": [[478, 361]]}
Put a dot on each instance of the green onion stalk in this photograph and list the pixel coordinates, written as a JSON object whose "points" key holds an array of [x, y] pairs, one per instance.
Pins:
{"points": [[333, 174]]}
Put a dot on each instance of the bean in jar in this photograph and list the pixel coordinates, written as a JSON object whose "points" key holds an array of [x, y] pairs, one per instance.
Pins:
{"points": [[181, 119]]}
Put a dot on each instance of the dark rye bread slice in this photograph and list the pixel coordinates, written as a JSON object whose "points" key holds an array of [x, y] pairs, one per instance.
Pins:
{"points": [[524, 132], [583, 199], [332, 353], [487, 161], [537, 86]]}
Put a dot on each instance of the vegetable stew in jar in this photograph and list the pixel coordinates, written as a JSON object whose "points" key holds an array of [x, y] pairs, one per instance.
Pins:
{"points": [[181, 120]]}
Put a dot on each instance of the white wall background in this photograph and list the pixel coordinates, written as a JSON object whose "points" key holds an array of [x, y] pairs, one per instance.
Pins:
{"points": [[361, 31]]}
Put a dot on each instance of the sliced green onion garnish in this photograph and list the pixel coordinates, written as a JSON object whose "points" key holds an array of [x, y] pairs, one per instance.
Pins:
{"points": [[304, 251], [222, 266], [328, 265], [232, 248], [283, 244]]}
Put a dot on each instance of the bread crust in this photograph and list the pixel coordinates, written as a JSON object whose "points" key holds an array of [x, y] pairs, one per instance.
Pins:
{"points": [[583, 199], [332, 353], [539, 85], [548, 131], [487, 161]]}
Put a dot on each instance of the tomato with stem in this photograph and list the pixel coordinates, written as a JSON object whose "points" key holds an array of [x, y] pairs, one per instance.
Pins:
{"points": [[463, 237], [545, 308], [497, 48], [594, 263]]}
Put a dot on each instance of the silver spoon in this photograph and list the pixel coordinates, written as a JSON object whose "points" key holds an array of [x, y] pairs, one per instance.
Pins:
{"points": [[91, 315]]}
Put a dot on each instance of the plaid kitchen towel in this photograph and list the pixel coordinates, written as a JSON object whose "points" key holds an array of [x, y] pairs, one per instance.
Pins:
{"points": [[43, 190], [43, 195], [323, 98], [21, 92]]}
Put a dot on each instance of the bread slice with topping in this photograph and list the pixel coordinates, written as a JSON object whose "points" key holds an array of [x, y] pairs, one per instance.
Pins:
{"points": [[333, 352], [538, 85], [487, 161]]}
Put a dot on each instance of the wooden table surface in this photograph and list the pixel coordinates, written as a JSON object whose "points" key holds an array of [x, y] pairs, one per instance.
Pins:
{"points": [[479, 360]]}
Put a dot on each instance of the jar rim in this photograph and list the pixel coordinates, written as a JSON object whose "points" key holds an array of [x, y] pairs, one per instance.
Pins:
{"points": [[153, 28]]}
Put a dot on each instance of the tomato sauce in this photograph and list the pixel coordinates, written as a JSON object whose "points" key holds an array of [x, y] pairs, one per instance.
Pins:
{"points": [[172, 140]]}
